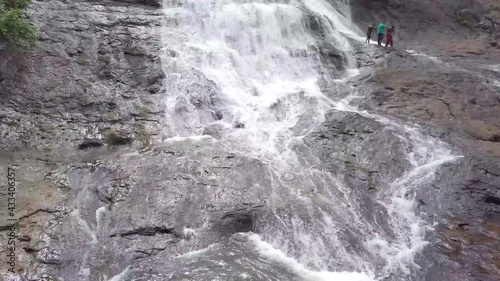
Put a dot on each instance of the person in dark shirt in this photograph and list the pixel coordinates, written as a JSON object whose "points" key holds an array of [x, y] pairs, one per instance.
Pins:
{"points": [[390, 35], [369, 33]]}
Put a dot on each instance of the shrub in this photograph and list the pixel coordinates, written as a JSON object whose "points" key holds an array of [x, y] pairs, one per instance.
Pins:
{"points": [[16, 4], [14, 27]]}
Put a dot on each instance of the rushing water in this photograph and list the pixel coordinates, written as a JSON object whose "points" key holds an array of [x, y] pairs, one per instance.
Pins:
{"points": [[257, 63]]}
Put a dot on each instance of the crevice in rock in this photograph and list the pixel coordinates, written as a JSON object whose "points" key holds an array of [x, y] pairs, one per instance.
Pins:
{"points": [[240, 220], [492, 200], [34, 252], [147, 231], [48, 211], [150, 252], [489, 172], [448, 107]]}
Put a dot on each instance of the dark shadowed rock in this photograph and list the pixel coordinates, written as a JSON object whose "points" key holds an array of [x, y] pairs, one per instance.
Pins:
{"points": [[238, 125], [242, 219], [154, 3], [89, 143], [114, 138]]}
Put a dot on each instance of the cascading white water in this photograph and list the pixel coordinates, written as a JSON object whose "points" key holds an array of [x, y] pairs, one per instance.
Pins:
{"points": [[261, 60], [259, 53], [425, 154]]}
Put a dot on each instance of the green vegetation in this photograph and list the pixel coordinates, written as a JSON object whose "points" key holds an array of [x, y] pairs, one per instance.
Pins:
{"points": [[463, 21], [114, 138], [14, 27], [142, 135]]}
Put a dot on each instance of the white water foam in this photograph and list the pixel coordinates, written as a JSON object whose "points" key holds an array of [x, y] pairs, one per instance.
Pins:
{"points": [[494, 67], [83, 223], [267, 251], [432, 58], [192, 140], [99, 215], [261, 55], [266, 64], [123, 275], [193, 254], [188, 233], [496, 83]]}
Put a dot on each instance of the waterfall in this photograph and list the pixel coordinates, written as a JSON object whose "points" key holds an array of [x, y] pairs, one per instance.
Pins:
{"points": [[257, 70], [242, 57]]}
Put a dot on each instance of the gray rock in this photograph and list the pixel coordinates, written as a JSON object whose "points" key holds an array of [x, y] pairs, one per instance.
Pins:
{"points": [[360, 148], [215, 130], [89, 143], [100, 64], [114, 138], [121, 214], [238, 125]]}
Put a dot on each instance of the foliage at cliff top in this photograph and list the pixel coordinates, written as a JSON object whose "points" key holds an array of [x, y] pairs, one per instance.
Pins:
{"points": [[14, 27]]}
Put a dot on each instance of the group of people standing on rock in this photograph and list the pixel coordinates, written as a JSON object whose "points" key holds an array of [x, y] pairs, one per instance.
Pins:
{"points": [[380, 33]]}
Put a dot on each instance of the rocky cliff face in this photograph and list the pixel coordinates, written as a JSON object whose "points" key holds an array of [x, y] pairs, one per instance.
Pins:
{"points": [[94, 80], [81, 117], [96, 72]]}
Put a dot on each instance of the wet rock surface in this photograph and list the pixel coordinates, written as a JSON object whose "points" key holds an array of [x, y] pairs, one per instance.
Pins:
{"points": [[93, 93], [97, 68], [457, 99], [131, 207], [368, 154], [448, 83]]}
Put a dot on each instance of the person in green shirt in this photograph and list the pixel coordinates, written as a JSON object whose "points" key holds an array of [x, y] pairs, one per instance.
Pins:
{"points": [[380, 32]]}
